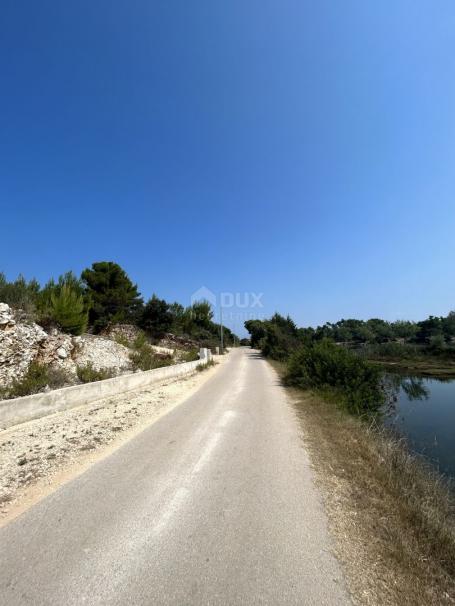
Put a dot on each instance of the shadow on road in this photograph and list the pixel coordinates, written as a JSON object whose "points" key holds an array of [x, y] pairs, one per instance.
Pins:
{"points": [[256, 355]]}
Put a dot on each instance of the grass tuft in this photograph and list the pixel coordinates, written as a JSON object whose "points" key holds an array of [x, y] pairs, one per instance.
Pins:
{"points": [[88, 374], [37, 377]]}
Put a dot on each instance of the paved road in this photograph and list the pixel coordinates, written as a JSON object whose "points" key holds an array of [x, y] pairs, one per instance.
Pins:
{"points": [[211, 505]]}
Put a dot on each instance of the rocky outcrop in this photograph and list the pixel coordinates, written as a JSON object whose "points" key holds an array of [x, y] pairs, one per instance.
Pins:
{"points": [[57, 352], [101, 353], [20, 343], [170, 341], [23, 342], [127, 332]]}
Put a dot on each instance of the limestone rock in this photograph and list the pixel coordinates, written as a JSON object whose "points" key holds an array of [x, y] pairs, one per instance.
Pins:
{"points": [[22, 342], [19, 345]]}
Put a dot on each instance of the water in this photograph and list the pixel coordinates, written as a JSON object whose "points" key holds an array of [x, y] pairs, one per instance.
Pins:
{"points": [[425, 414]]}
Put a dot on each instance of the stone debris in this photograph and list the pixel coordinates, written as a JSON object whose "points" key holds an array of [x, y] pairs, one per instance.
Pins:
{"points": [[22, 342], [128, 332]]}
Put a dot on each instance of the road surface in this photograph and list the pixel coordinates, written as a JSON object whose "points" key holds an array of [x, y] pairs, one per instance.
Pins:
{"points": [[212, 505]]}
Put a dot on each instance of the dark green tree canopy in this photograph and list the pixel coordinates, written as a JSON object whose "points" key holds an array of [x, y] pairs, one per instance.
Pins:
{"points": [[113, 296], [157, 317], [201, 314]]}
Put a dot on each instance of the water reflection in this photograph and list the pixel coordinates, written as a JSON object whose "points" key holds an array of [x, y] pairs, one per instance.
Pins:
{"points": [[422, 410], [415, 388]]}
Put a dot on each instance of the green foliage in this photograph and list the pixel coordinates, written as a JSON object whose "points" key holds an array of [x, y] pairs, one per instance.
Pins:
{"points": [[144, 357], [394, 351], [110, 297], [428, 329], [437, 342], [205, 365], [63, 303], [403, 329], [325, 365], [199, 316], [156, 318], [140, 341], [37, 377], [196, 322], [88, 374], [122, 340], [114, 298], [190, 356], [19, 294], [277, 337], [67, 309]]}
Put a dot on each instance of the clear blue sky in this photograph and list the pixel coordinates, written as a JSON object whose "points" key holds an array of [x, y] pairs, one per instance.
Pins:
{"points": [[305, 150]]}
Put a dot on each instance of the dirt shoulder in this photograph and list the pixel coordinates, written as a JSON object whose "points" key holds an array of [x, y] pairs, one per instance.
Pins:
{"points": [[392, 522], [38, 456]]}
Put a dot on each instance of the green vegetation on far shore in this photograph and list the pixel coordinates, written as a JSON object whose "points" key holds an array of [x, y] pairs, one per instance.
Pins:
{"points": [[430, 367], [411, 358]]}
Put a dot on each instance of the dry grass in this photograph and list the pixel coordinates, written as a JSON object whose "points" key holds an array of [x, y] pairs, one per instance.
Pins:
{"points": [[392, 518]]}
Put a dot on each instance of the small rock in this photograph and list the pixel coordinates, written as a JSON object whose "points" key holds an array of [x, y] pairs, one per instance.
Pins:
{"points": [[22, 461], [62, 353]]}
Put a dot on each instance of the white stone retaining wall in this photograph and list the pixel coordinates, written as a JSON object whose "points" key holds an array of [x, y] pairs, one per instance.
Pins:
{"points": [[38, 405]]}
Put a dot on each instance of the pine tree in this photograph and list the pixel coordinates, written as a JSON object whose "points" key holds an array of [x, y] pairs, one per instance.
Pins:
{"points": [[113, 297], [67, 309]]}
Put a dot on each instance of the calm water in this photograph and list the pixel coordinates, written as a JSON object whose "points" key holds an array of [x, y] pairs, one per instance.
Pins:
{"points": [[425, 414]]}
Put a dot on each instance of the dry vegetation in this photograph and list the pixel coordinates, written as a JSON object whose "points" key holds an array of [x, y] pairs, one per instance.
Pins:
{"points": [[393, 518]]}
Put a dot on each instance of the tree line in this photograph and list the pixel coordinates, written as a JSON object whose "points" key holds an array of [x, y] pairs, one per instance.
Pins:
{"points": [[104, 295], [281, 333], [326, 358]]}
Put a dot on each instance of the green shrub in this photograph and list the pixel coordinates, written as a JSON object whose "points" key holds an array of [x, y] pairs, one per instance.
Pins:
{"points": [[37, 377], [391, 351], [205, 365], [190, 356], [327, 366], [277, 337], [437, 343], [146, 359], [19, 294], [67, 309], [88, 374], [64, 303], [140, 341], [122, 340]]}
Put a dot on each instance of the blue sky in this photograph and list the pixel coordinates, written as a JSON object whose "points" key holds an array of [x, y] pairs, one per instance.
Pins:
{"points": [[303, 150]]}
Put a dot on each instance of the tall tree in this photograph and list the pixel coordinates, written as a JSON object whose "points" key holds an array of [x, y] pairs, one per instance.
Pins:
{"points": [[114, 298], [157, 317]]}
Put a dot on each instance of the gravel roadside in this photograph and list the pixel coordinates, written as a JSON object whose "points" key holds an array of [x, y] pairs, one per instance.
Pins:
{"points": [[38, 455]]}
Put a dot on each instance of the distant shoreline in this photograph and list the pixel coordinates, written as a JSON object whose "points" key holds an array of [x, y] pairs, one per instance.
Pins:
{"points": [[433, 367]]}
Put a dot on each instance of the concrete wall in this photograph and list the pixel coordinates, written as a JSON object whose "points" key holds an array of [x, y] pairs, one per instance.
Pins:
{"points": [[38, 405]]}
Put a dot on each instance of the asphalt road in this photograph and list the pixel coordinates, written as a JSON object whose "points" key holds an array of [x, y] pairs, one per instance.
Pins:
{"points": [[212, 505]]}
